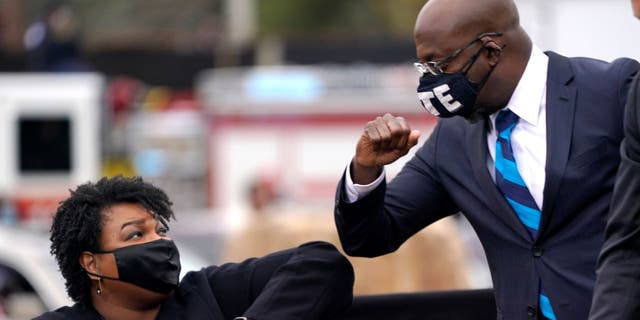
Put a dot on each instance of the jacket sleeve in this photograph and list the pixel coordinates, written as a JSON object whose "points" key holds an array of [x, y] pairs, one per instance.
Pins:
{"points": [[381, 221], [311, 281], [617, 289]]}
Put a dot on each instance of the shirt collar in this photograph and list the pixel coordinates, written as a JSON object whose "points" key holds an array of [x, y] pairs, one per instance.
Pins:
{"points": [[527, 98]]}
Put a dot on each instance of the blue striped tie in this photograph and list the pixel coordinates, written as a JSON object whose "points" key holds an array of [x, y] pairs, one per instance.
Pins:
{"points": [[514, 189]]}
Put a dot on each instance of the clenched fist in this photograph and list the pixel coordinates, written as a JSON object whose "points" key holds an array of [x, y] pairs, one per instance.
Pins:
{"points": [[383, 141]]}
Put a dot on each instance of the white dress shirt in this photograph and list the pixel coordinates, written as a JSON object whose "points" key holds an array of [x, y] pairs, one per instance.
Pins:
{"points": [[528, 138]]}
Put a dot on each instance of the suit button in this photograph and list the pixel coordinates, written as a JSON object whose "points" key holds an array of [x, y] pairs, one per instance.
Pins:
{"points": [[537, 251], [531, 311]]}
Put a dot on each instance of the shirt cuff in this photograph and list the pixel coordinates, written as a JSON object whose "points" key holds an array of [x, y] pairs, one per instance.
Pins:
{"points": [[356, 191]]}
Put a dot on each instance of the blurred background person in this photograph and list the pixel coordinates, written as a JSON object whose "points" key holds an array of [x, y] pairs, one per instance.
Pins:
{"points": [[262, 194], [51, 42]]}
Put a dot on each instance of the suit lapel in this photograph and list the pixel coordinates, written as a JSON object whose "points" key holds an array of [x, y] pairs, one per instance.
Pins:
{"points": [[476, 143], [560, 117]]}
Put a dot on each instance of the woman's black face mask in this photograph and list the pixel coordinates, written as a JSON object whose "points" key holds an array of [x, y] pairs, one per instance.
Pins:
{"points": [[153, 265]]}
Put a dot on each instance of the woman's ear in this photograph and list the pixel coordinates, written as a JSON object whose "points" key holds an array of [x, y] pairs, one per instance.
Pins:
{"points": [[88, 262]]}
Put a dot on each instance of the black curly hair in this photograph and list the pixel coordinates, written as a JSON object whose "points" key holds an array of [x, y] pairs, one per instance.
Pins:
{"points": [[78, 221]]}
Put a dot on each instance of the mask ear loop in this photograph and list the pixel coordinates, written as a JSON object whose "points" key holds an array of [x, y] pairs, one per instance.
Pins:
{"points": [[475, 56], [471, 61], [486, 77]]}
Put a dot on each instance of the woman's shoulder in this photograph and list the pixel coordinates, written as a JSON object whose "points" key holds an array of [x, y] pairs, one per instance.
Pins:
{"points": [[77, 311], [196, 278]]}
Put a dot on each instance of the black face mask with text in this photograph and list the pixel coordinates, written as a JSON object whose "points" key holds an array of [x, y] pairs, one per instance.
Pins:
{"points": [[153, 265], [451, 94], [448, 94]]}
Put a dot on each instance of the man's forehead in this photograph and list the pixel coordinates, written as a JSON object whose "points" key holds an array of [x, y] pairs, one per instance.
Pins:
{"points": [[437, 43]]}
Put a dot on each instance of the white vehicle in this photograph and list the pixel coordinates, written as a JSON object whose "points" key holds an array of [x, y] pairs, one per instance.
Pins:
{"points": [[49, 138], [30, 282]]}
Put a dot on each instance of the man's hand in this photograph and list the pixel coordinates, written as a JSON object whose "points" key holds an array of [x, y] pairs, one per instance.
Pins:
{"points": [[384, 140]]}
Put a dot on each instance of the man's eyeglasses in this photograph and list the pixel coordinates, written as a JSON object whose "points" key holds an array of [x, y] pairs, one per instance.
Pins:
{"points": [[436, 67]]}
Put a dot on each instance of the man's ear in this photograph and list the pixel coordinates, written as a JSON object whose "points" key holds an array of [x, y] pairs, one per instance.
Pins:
{"points": [[88, 262], [494, 51]]}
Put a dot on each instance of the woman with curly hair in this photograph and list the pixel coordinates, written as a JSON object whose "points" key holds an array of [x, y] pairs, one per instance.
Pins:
{"points": [[111, 244]]}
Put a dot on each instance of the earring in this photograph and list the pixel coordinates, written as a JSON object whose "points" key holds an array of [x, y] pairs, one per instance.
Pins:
{"points": [[99, 290]]}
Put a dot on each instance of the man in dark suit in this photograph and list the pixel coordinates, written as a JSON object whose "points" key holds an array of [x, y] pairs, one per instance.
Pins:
{"points": [[617, 290], [526, 148]]}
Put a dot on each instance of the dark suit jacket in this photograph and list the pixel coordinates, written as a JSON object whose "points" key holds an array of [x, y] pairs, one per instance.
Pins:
{"points": [[584, 104], [617, 291]]}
